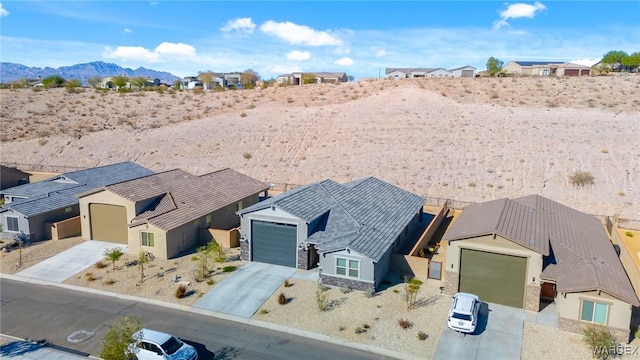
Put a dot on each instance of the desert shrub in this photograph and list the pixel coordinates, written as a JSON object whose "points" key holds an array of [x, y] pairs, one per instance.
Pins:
{"points": [[346, 290], [210, 282], [370, 292], [341, 328], [264, 311], [42, 142], [282, 299], [229, 268], [422, 336], [246, 155], [629, 234], [198, 91], [360, 330], [581, 178], [100, 265], [599, 340], [110, 282], [89, 276], [322, 287], [411, 288], [181, 292], [322, 300], [287, 283], [366, 326], [405, 323], [243, 114]]}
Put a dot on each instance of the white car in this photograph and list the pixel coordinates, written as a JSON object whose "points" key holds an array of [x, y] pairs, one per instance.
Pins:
{"points": [[463, 315], [156, 345]]}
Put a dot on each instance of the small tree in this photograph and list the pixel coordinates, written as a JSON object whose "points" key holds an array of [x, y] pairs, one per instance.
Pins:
{"points": [[53, 81], [113, 255], [206, 78], [600, 340], [72, 85], [411, 288], [120, 343], [248, 78], [143, 259], [120, 82], [139, 81], [94, 81], [308, 78], [22, 239], [218, 250], [203, 258], [494, 66]]}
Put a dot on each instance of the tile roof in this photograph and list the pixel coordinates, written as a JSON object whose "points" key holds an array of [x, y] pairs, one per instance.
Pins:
{"points": [[576, 246], [408, 70], [180, 197], [365, 216], [60, 191], [462, 67], [534, 63]]}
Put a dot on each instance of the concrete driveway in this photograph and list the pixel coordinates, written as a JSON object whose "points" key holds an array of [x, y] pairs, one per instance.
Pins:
{"points": [[498, 336], [243, 292], [64, 265]]}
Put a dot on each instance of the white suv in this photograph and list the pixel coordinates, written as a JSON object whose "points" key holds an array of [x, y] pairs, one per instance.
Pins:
{"points": [[156, 345], [463, 315]]}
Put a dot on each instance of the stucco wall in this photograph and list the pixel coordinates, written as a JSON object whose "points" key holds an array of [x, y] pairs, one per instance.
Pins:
{"points": [[37, 223], [102, 197], [569, 306], [626, 258], [159, 249], [328, 264], [23, 225], [274, 215], [65, 228]]}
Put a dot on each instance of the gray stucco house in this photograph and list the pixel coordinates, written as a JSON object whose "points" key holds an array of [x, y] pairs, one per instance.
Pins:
{"points": [[28, 207], [348, 231]]}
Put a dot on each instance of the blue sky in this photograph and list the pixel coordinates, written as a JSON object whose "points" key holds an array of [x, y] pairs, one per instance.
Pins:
{"points": [[360, 38]]}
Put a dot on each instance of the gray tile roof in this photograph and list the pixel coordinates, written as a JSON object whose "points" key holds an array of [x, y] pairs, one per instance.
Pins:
{"points": [[533, 63], [408, 70], [181, 197], [575, 244], [365, 216], [60, 191]]}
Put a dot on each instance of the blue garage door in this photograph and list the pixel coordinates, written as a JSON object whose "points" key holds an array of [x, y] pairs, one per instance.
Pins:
{"points": [[274, 243]]}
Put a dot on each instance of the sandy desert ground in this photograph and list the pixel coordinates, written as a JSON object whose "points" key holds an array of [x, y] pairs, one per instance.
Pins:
{"points": [[465, 139]]}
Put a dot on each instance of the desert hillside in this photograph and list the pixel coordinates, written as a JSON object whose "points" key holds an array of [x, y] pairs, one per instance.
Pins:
{"points": [[466, 139]]}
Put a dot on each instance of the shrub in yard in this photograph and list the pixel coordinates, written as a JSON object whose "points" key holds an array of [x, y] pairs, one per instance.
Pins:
{"points": [[341, 328], [422, 336], [322, 287], [360, 330], [629, 234], [405, 323], [287, 283], [110, 282], [229, 269], [210, 282], [600, 340], [282, 299], [322, 300], [581, 179], [181, 291], [100, 265], [370, 292], [264, 311], [346, 290]]}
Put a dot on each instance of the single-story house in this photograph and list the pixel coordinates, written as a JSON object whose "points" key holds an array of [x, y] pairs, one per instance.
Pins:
{"points": [[518, 251], [463, 71], [545, 68], [348, 231], [162, 213], [321, 78], [10, 177], [410, 73], [28, 208]]}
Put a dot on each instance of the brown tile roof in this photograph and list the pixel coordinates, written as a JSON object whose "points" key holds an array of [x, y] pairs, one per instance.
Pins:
{"points": [[179, 197], [577, 250]]}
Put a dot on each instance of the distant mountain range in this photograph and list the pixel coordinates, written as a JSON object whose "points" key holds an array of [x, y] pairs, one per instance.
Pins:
{"points": [[10, 72]]}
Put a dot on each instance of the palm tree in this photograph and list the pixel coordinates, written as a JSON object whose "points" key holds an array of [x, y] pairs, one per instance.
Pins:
{"points": [[23, 240], [113, 255], [142, 260]]}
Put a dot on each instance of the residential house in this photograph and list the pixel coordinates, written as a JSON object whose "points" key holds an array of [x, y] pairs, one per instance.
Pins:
{"points": [[320, 78], [411, 73], [545, 68], [31, 207], [107, 83], [10, 177], [349, 231], [162, 213], [463, 71], [518, 252]]}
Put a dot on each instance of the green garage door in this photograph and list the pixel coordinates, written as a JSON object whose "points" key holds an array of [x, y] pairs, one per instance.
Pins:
{"points": [[274, 243], [493, 277], [108, 223]]}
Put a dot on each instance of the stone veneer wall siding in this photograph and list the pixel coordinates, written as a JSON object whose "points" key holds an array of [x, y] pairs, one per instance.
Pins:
{"points": [[451, 280], [303, 259], [576, 326], [244, 250], [346, 283], [532, 298]]}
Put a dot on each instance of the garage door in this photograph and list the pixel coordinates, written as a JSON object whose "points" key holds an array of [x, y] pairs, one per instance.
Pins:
{"points": [[467, 73], [493, 277], [274, 243], [108, 223], [571, 72]]}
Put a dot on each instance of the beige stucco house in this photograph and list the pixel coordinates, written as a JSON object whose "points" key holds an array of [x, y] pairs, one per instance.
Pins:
{"points": [[519, 252], [162, 213], [545, 68]]}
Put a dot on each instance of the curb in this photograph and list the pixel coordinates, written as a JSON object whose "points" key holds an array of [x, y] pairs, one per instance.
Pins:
{"points": [[237, 319]]}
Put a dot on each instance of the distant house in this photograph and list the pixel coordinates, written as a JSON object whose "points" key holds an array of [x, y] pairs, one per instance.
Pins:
{"points": [[320, 78], [412, 73], [349, 231], [520, 252], [545, 68], [10, 177], [29, 207], [162, 213], [463, 71]]}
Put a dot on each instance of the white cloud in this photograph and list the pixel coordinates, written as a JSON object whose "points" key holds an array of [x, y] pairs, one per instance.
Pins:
{"points": [[298, 55], [241, 24], [3, 11], [138, 53], [299, 34], [345, 61], [586, 61], [127, 31], [518, 10], [381, 53]]}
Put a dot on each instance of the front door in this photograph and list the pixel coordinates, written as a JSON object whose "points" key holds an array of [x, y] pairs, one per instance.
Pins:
{"points": [[548, 291]]}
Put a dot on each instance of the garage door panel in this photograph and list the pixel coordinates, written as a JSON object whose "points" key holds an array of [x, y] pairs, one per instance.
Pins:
{"points": [[108, 223], [493, 277], [274, 243]]}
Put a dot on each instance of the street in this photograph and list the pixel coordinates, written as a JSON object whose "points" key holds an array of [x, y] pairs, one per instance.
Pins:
{"points": [[40, 312]]}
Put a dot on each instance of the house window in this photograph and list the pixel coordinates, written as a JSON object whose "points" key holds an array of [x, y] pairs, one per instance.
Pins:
{"points": [[208, 219], [67, 209], [147, 239], [350, 268], [196, 222], [12, 224], [239, 206], [594, 312]]}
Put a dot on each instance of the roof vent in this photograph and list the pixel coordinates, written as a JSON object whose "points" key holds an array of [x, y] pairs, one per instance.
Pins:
{"points": [[532, 242]]}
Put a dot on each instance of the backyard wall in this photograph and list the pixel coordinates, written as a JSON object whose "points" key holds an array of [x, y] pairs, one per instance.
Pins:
{"points": [[626, 258], [427, 235], [65, 228], [226, 238]]}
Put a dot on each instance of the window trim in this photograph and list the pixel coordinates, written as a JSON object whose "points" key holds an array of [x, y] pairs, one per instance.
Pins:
{"points": [[347, 268], [593, 313], [153, 239], [17, 223]]}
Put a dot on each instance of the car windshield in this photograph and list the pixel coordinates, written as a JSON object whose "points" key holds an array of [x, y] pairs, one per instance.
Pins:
{"points": [[172, 345], [461, 316]]}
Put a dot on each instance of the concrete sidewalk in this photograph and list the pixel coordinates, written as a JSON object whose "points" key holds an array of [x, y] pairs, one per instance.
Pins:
{"points": [[66, 264], [21, 349]]}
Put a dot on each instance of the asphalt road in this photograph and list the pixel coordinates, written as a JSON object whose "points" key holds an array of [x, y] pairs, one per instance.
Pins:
{"points": [[40, 312]]}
